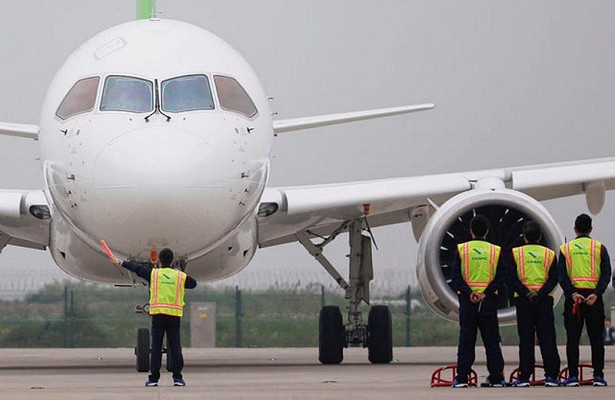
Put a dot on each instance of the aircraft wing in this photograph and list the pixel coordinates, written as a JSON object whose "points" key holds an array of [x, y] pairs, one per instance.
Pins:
{"points": [[24, 219], [22, 130], [321, 209], [297, 124]]}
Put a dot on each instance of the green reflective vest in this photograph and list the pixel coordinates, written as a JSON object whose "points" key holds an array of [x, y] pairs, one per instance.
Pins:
{"points": [[166, 292], [533, 264], [583, 262], [479, 262]]}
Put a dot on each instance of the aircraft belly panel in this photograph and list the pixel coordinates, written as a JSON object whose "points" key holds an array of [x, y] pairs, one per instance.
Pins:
{"points": [[227, 258], [80, 260]]}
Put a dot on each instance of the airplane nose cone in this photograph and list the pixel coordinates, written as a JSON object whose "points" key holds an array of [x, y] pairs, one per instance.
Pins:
{"points": [[159, 185], [147, 158]]}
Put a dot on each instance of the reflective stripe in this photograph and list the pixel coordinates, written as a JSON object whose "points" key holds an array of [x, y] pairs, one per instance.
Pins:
{"points": [[521, 264], [568, 258], [593, 257], [178, 288], [546, 264], [466, 259], [154, 288], [491, 262], [176, 307]]}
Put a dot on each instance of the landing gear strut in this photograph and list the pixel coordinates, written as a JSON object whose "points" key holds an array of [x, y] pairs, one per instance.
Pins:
{"points": [[377, 335]]}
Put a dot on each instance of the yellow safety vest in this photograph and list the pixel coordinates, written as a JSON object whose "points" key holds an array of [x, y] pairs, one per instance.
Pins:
{"points": [[583, 262], [479, 262], [166, 292], [533, 264]]}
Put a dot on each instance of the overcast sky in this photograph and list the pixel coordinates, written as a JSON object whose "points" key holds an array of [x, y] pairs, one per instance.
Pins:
{"points": [[514, 82]]}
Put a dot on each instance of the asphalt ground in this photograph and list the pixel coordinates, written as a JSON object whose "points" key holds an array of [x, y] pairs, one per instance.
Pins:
{"points": [[272, 373]]}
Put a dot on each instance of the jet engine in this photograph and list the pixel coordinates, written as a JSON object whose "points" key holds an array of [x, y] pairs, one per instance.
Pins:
{"points": [[507, 210]]}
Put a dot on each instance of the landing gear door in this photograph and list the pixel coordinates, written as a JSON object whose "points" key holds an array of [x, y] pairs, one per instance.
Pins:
{"points": [[367, 269]]}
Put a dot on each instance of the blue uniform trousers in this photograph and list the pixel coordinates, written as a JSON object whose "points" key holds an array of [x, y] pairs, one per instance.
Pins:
{"points": [[479, 316], [162, 323], [537, 320], [593, 317]]}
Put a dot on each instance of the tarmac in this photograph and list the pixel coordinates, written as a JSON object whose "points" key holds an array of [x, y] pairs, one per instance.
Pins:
{"points": [[262, 373]]}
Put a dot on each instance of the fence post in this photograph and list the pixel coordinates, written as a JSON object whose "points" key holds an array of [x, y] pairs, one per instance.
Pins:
{"points": [[408, 309], [238, 314], [65, 333], [69, 303], [322, 296]]}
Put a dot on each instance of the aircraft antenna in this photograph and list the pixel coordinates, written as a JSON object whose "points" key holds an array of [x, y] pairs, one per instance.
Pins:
{"points": [[146, 9]]}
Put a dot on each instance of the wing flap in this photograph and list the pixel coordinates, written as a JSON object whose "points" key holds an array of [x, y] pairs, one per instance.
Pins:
{"points": [[544, 182]]}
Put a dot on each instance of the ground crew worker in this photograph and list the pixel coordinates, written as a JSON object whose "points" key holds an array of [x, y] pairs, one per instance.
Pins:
{"points": [[475, 277], [166, 302], [584, 274], [532, 276]]}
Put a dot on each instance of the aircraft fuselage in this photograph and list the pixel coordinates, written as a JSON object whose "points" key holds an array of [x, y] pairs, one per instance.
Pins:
{"points": [[119, 169]]}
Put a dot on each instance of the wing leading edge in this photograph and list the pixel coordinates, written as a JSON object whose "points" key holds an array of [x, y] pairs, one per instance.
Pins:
{"points": [[333, 119], [22, 130]]}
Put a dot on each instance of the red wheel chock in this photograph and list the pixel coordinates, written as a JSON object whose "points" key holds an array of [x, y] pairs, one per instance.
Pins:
{"points": [[438, 381], [564, 374], [533, 381]]}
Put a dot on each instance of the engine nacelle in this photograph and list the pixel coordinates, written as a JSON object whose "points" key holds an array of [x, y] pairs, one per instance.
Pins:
{"points": [[507, 210]]}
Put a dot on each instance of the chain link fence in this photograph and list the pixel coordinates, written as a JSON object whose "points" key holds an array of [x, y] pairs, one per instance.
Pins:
{"points": [[88, 315]]}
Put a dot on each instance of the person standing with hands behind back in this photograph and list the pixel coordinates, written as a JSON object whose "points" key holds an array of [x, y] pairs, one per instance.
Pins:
{"points": [[533, 276], [584, 274], [476, 277], [166, 301]]}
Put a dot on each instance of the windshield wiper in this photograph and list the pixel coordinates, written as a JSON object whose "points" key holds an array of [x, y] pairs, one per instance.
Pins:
{"points": [[157, 108]]}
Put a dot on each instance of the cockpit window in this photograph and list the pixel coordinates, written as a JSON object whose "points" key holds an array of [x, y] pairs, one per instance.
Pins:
{"points": [[80, 98], [124, 93], [187, 93], [233, 97]]}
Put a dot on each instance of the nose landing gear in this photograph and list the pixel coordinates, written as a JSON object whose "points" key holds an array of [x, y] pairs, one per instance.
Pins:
{"points": [[143, 347], [142, 350]]}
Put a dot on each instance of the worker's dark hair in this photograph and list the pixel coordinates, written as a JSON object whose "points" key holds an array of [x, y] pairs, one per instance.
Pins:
{"points": [[583, 224], [531, 231], [479, 225], [166, 256]]}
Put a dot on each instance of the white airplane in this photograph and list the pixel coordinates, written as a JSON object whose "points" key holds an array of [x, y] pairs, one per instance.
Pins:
{"points": [[156, 133]]}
